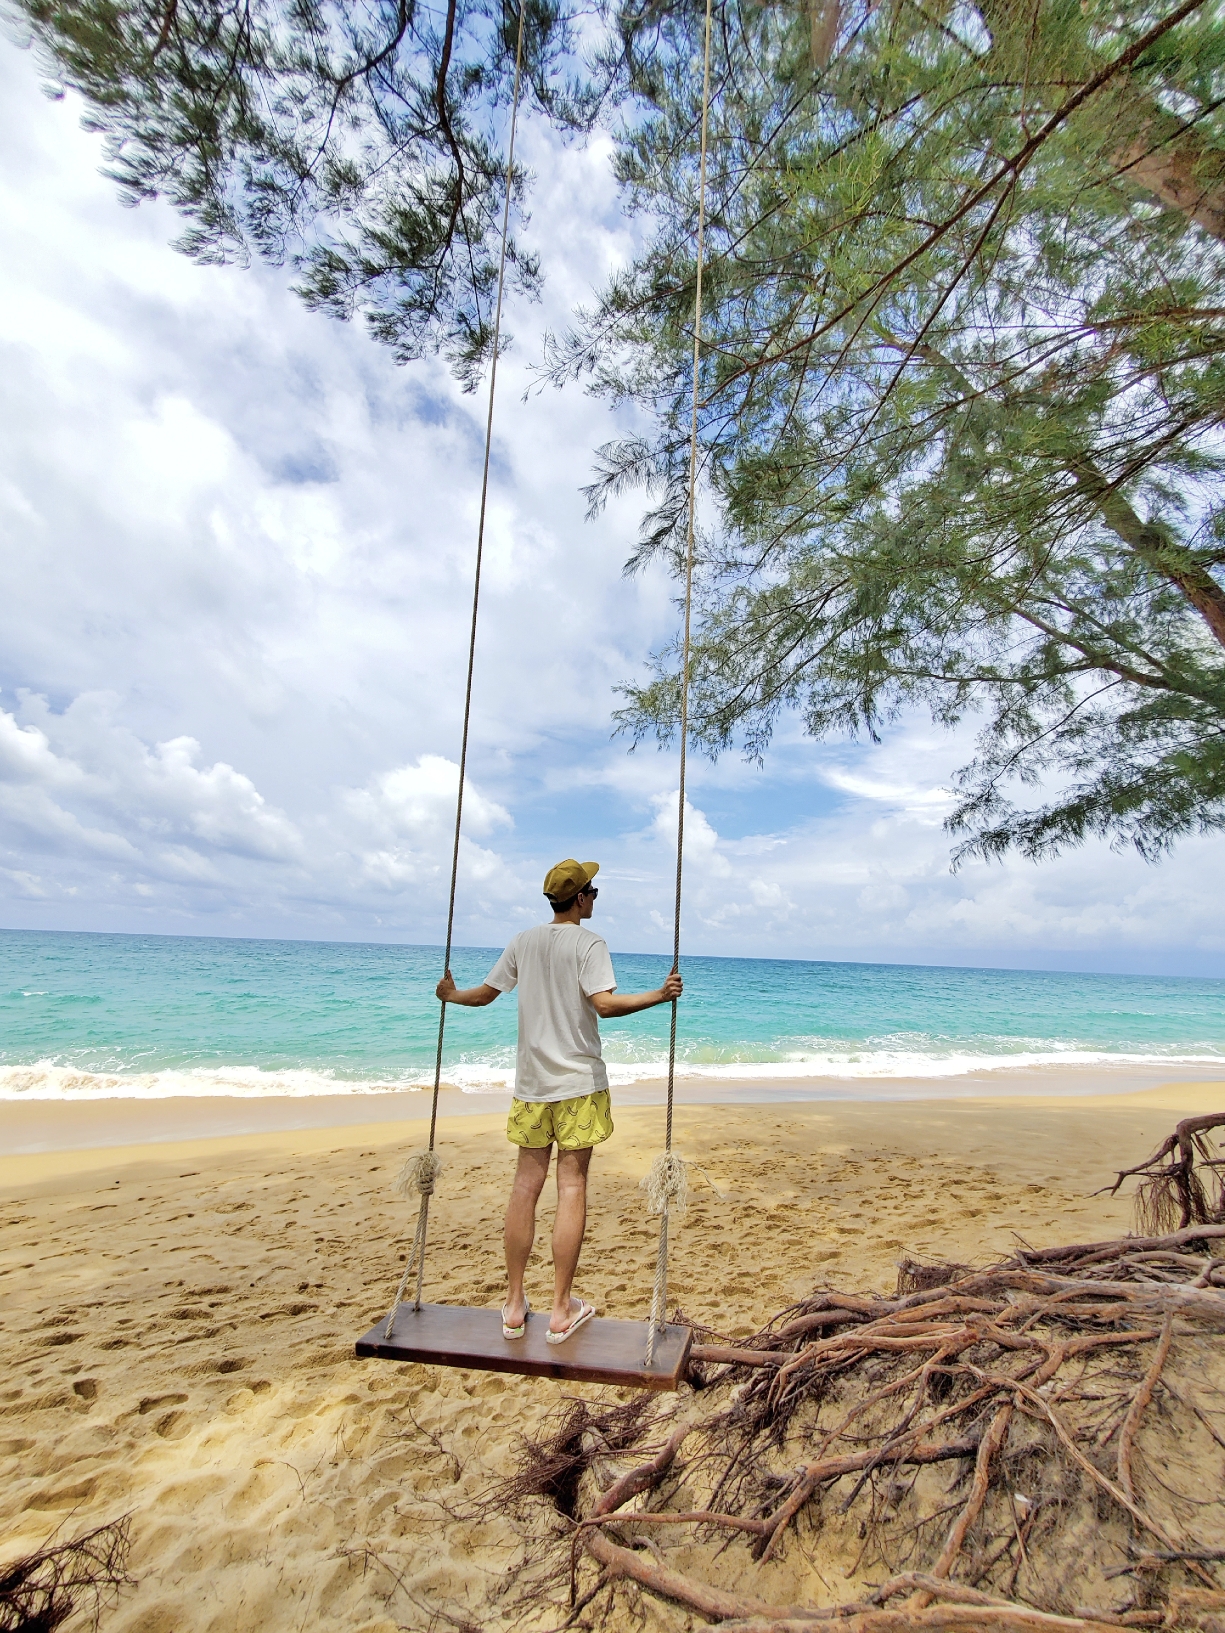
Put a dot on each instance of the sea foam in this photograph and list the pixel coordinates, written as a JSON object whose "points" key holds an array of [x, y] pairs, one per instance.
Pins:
{"points": [[44, 1080]]}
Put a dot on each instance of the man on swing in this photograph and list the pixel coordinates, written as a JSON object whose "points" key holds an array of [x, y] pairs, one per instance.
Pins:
{"points": [[566, 985]]}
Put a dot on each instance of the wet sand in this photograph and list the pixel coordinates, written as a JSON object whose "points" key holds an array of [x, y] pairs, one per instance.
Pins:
{"points": [[31, 1126]]}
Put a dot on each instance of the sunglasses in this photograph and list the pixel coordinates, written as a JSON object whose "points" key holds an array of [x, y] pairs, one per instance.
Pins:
{"points": [[590, 890]]}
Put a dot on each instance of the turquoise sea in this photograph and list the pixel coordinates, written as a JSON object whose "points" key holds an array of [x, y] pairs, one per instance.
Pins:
{"points": [[96, 1016]]}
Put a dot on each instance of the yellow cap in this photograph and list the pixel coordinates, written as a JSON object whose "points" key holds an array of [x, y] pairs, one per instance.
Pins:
{"points": [[568, 878]]}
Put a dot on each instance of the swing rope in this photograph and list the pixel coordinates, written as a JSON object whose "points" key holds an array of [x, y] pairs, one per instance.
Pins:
{"points": [[420, 1172], [666, 1185]]}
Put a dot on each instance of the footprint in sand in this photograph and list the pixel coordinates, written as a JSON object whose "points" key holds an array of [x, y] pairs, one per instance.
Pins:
{"points": [[64, 1497], [151, 1403], [57, 1339]]}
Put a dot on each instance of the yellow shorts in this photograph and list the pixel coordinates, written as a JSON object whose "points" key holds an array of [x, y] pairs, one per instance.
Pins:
{"points": [[575, 1125]]}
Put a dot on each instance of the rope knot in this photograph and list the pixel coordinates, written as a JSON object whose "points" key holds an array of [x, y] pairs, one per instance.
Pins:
{"points": [[419, 1174], [667, 1184]]}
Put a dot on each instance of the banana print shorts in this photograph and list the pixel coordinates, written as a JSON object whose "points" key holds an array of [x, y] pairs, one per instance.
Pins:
{"points": [[575, 1125]]}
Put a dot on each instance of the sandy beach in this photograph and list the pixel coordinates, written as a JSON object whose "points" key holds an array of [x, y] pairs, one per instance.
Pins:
{"points": [[178, 1319]]}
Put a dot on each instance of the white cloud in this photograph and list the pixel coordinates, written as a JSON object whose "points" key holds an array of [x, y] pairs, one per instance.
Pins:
{"points": [[917, 799], [24, 884], [25, 753], [419, 801], [80, 787], [703, 857], [218, 805], [411, 809], [79, 781]]}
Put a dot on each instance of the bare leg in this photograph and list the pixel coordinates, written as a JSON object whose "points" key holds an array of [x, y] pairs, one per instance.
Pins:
{"points": [[520, 1231], [568, 1230]]}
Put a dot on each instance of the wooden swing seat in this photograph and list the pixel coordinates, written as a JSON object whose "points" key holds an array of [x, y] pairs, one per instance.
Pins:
{"points": [[602, 1352]]}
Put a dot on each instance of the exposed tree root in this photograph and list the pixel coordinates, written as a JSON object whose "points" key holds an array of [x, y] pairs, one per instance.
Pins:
{"points": [[988, 1446], [1189, 1187], [40, 1592], [1009, 1448], [552, 1468], [1135, 1411], [1019, 1378], [938, 1619]]}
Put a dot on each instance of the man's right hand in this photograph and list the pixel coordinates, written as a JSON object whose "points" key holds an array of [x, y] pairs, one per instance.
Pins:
{"points": [[611, 1005], [445, 990]]}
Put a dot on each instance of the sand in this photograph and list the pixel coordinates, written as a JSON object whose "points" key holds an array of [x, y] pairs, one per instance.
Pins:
{"points": [[177, 1324]]}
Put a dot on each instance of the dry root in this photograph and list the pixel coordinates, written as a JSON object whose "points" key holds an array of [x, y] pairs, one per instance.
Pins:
{"points": [[554, 1466], [1183, 1182], [39, 1593], [981, 1436]]}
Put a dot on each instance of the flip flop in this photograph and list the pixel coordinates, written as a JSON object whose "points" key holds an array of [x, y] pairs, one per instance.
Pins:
{"points": [[585, 1313], [515, 1332]]}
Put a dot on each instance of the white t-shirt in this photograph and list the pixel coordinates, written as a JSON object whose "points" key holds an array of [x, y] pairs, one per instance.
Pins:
{"points": [[556, 968]]}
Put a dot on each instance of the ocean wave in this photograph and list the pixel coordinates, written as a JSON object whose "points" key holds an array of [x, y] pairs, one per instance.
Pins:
{"points": [[46, 1080]]}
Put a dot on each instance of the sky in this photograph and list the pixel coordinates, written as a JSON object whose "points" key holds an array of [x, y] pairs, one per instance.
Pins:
{"points": [[236, 548]]}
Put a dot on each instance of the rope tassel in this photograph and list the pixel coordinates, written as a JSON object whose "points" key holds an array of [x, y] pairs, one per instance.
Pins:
{"points": [[667, 1184], [418, 1176]]}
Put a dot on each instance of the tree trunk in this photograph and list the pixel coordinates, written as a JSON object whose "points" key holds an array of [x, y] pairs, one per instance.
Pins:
{"points": [[1168, 160], [1152, 150], [1196, 583]]}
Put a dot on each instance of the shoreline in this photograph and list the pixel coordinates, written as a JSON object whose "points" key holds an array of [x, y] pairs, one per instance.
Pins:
{"points": [[122, 1144], [40, 1127]]}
